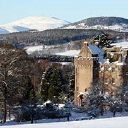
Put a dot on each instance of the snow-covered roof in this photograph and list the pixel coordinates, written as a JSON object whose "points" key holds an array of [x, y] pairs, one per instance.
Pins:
{"points": [[102, 60], [121, 44], [94, 49], [119, 63]]}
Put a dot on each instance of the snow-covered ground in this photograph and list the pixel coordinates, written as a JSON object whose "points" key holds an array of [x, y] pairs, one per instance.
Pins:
{"points": [[43, 49], [116, 27], [39, 23], [69, 53], [118, 122], [36, 48]]}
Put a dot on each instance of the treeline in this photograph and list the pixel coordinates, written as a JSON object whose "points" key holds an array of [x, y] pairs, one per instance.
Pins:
{"points": [[56, 36]]}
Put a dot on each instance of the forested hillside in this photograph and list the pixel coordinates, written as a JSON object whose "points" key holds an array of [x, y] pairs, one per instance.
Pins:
{"points": [[56, 36]]}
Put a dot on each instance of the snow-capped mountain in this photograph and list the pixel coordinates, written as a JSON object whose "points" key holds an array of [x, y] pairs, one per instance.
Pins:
{"points": [[100, 23], [39, 23]]}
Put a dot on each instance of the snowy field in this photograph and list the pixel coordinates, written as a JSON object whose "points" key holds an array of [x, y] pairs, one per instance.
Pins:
{"points": [[116, 27], [117, 122], [69, 53], [43, 49], [31, 49]]}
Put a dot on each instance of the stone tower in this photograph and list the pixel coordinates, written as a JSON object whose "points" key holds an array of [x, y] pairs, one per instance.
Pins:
{"points": [[86, 70]]}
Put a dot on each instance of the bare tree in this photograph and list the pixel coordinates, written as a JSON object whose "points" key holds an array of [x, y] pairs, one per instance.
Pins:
{"points": [[15, 69]]}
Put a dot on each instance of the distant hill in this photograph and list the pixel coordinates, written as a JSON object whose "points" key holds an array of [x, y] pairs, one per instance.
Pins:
{"points": [[101, 23], [38, 23], [67, 38]]}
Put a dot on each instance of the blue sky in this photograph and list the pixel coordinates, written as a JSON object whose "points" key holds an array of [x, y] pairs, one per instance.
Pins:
{"points": [[70, 10]]}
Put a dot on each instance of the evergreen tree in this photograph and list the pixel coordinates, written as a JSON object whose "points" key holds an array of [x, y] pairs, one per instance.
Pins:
{"points": [[102, 41], [116, 105], [71, 86], [51, 85], [56, 83], [51, 93], [96, 99], [45, 83]]}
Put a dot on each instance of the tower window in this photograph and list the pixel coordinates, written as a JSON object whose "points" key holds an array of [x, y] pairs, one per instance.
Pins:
{"points": [[113, 80], [77, 88], [86, 89], [113, 69]]}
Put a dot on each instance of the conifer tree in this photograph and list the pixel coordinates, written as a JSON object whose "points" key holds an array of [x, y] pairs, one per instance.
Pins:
{"points": [[55, 84], [102, 41], [51, 85], [45, 83]]}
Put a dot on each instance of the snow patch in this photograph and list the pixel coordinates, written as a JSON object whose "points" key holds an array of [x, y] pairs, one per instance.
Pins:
{"points": [[116, 27], [31, 49], [71, 53], [123, 45]]}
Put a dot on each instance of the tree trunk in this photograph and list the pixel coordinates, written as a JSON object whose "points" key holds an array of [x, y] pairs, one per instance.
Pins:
{"points": [[114, 113], [4, 105], [67, 118], [102, 111], [32, 120], [4, 111], [9, 113]]}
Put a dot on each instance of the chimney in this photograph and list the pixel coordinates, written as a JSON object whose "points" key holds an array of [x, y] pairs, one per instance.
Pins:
{"points": [[85, 44]]}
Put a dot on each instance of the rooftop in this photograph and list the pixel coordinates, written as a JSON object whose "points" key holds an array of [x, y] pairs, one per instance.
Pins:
{"points": [[94, 49]]}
